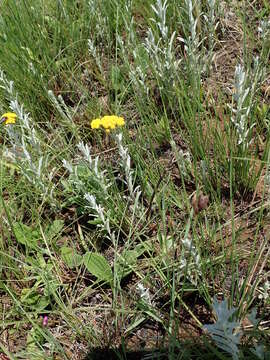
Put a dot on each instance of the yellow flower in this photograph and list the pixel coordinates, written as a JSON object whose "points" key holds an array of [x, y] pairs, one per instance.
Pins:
{"points": [[120, 121], [95, 124], [108, 122], [8, 118]]}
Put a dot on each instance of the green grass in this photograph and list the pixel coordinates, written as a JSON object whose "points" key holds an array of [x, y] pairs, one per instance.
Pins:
{"points": [[124, 244]]}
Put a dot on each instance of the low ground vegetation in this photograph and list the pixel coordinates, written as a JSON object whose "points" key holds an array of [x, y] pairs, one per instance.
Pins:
{"points": [[134, 179]]}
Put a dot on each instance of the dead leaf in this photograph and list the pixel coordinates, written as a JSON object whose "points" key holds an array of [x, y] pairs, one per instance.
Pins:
{"points": [[199, 202]]}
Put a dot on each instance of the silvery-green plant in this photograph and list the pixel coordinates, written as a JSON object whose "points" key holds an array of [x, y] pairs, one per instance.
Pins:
{"points": [[162, 57], [25, 146], [95, 54], [28, 132], [125, 163], [183, 159], [99, 213], [192, 44], [246, 85], [131, 38], [93, 165], [188, 245], [144, 293], [211, 26], [98, 18], [87, 181], [85, 175], [259, 350], [264, 28], [156, 57], [226, 330], [193, 39], [62, 108], [190, 261], [128, 19], [160, 9], [159, 46], [138, 78], [212, 22], [264, 291], [241, 109]]}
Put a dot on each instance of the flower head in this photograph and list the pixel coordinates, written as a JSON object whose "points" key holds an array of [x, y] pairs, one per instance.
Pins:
{"points": [[95, 124], [45, 320], [8, 118], [108, 122]]}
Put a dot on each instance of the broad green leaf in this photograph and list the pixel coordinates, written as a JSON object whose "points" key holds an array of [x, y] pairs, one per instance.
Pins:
{"points": [[97, 265], [31, 298], [128, 259], [125, 263], [26, 235], [54, 229], [70, 257]]}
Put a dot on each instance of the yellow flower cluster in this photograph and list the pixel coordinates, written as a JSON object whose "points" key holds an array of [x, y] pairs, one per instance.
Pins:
{"points": [[108, 122], [8, 118]]}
